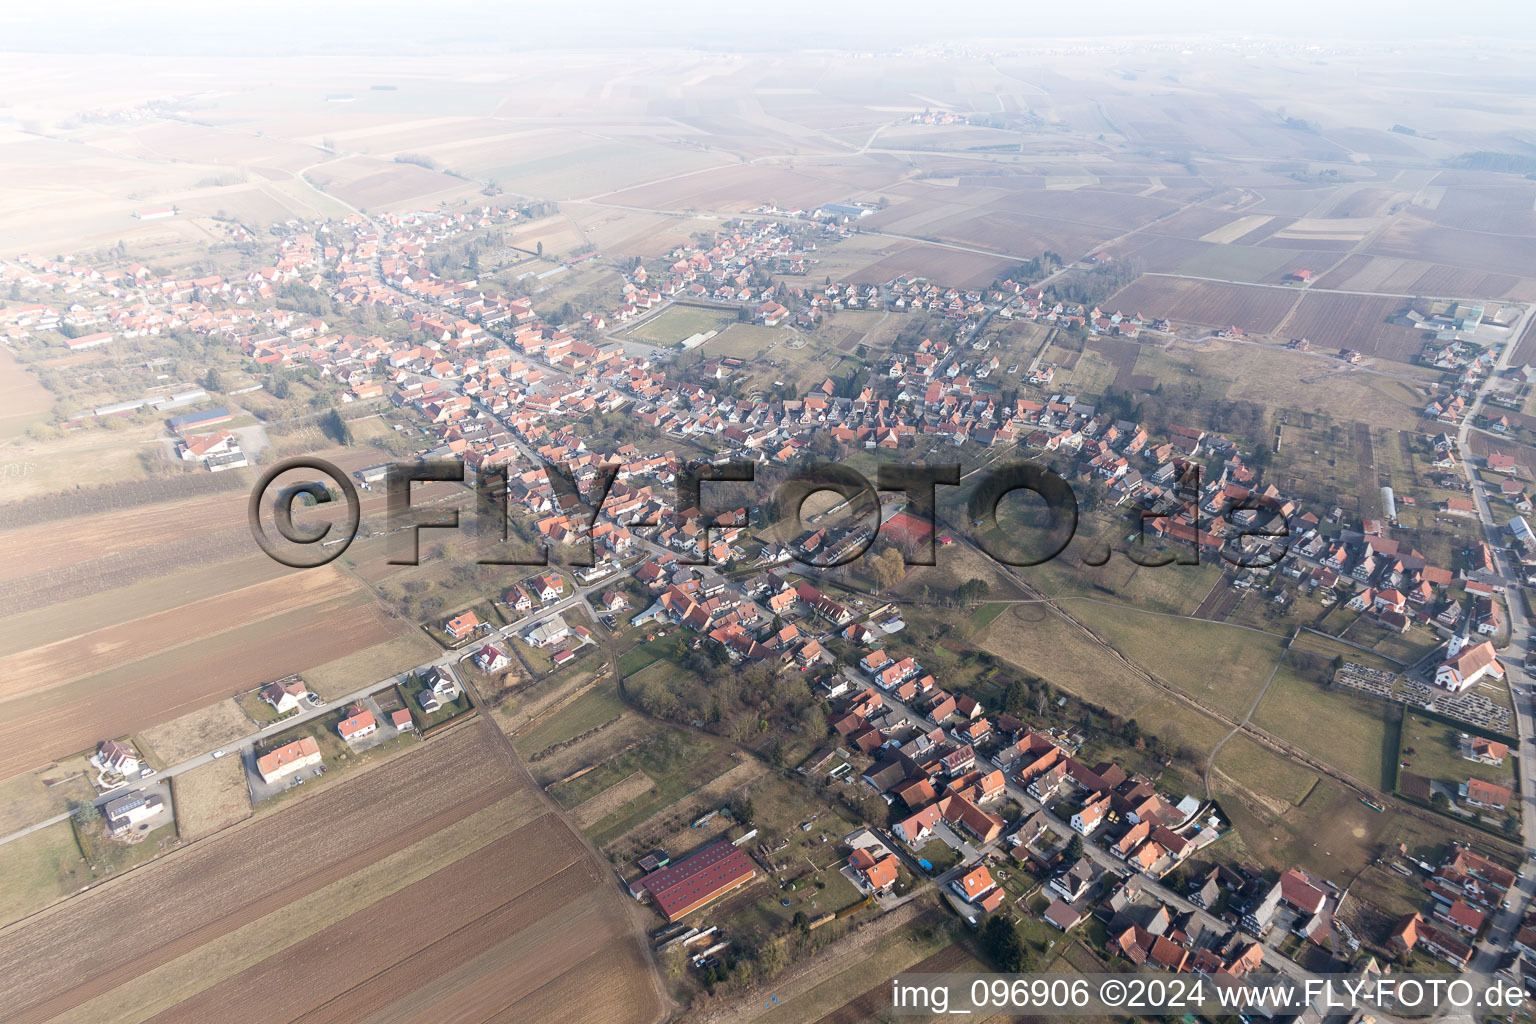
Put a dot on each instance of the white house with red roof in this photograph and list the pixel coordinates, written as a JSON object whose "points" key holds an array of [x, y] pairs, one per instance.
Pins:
{"points": [[217, 452], [1466, 664], [358, 724]]}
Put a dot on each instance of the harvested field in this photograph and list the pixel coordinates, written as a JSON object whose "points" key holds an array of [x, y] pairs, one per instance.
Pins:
{"points": [[1364, 202], [22, 398], [1263, 231], [374, 184], [115, 497], [1412, 237], [1113, 211], [1455, 281], [210, 798], [43, 668], [1525, 348], [951, 266], [1326, 229], [126, 530], [1257, 310], [1504, 208], [1016, 233], [1163, 254], [196, 733], [155, 689], [106, 552], [1251, 264], [1373, 273], [1357, 322], [1197, 222], [1237, 228], [466, 909], [733, 188], [490, 884]]}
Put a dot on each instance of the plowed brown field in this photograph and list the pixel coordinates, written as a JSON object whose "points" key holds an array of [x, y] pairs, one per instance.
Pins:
{"points": [[40, 668], [39, 727], [522, 916]]}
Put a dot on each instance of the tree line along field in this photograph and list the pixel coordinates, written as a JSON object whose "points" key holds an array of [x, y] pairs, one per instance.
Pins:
{"points": [[295, 915]]}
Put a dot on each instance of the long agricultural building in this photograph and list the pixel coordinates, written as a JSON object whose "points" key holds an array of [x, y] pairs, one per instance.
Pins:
{"points": [[684, 887]]}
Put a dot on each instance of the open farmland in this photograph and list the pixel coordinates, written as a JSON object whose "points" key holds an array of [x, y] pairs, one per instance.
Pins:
{"points": [[1357, 322], [733, 189], [1017, 234], [940, 264], [1412, 237], [1109, 212], [43, 668], [22, 398], [451, 826], [1232, 231], [1359, 272], [125, 530], [1255, 309], [373, 184], [125, 699], [1253, 265]]}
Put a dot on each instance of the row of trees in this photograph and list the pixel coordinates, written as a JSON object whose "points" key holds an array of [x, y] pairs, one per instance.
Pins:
{"points": [[732, 701], [1091, 287]]}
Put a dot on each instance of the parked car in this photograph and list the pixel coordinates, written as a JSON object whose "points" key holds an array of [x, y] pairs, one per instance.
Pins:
{"points": [[146, 772]]}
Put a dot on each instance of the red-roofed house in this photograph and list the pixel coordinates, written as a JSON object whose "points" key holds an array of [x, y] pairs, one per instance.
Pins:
{"points": [[358, 723], [1297, 891], [1485, 794], [974, 884], [878, 873], [462, 626], [287, 759]]}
